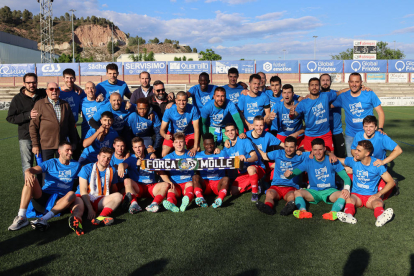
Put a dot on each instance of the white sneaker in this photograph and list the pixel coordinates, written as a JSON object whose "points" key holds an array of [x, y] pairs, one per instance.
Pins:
{"points": [[384, 217], [39, 224], [348, 218], [18, 222]]}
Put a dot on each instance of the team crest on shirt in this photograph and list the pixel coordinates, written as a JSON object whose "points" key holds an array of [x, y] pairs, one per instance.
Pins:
{"points": [[182, 123], [362, 176], [321, 174], [285, 165], [205, 99], [234, 154], [234, 97], [356, 109], [104, 144], [142, 125], [90, 111], [218, 117], [286, 120], [71, 102], [65, 176], [118, 121], [318, 110]]}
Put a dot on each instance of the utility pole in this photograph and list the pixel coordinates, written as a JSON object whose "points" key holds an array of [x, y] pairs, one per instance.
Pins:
{"points": [[112, 40], [314, 47], [284, 54], [73, 38], [46, 31], [138, 46]]}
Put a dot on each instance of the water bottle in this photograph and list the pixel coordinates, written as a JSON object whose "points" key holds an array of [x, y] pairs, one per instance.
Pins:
{"points": [[39, 159]]}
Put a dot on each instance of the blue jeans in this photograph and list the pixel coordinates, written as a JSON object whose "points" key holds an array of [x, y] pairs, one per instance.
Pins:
{"points": [[348, 143], [26, 154]]}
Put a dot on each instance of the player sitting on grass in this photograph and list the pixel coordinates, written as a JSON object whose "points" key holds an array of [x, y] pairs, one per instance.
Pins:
{"points": [[95, 181], [366, 177], [60, 174], [140, 183], [282, 188], [211, 181], [322, 185], [182, 180]]}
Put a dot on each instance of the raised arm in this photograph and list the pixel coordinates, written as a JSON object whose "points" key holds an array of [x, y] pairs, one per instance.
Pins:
{"points": [[394, 154]]}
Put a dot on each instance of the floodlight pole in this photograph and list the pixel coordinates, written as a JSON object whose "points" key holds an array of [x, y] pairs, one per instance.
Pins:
{"points": [[314, 47], [73, 39], [112, 40]]}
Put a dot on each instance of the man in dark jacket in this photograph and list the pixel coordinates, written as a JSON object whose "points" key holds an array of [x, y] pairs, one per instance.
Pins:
{"points": [[159, 101], [145, 90], [21, 112]]}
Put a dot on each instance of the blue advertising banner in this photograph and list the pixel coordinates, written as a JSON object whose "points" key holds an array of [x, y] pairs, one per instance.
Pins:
{"points": [[16, 70], [55, 69], [152, 67], [321, 66], [244, 66], [401, 66], [365, 66], [277, 66], [97, 68], [188, 67]]}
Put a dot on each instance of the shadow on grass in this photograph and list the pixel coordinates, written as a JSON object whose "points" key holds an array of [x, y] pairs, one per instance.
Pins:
{"points": [[412, 265], [394, 174], [251, 272], [151, 268], [357, 262], [30, 266]]}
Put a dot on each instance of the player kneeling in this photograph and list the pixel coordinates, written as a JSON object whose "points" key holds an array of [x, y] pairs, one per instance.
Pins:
{"points": [[95, 181], [366, 177], [60, 174], [322, 185], [140, 183], [212, 181]]}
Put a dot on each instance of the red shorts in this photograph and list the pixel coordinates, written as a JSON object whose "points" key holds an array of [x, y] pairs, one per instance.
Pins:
{"points": [[145, 190], [381, 185], [363, 198], [283, 138], [243, 180], [210, 186], [180, 187], [189, 141], [95, 203], [306, 142], [282, 190], [269, 171]]}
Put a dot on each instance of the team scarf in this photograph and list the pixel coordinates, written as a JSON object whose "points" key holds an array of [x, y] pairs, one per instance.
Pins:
{"points": [[95, 187]]}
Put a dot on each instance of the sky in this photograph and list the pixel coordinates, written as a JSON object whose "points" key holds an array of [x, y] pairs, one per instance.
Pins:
{"points": [[254, 29]]}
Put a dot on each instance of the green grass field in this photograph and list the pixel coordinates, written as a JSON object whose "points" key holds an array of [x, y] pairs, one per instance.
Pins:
{"points": [[234, 240]]}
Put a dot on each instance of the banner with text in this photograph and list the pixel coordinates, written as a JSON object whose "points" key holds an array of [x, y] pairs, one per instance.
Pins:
{"points": [[16, 70], [97, 68], [188, 67], [244, 66], [401, 66], [277, 66], [365, 66], [55, 69], [321, 66], [152, 67], [193, 164]]}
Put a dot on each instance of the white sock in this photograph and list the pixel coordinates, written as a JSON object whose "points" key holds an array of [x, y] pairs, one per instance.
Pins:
{"points": [[133, 203], [22, 213], [48, 216]]}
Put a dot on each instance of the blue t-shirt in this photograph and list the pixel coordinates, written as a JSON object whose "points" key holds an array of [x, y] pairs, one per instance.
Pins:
{"points": [[219, 116], [120, 115], [282, 164], [253, 106], [178, 177], [211, 174], [243, 147], [106, 89], [59, 178], [335, 118], [91, 152], [181, 122], [141, 126], [287, 126], [365, 178], [200, 98], [316, 113], [356, 109], [86, 173], [381, 144], [137, 174], [321, 174], [89, 108], [74, 100], [264, 141], [233, 94]]}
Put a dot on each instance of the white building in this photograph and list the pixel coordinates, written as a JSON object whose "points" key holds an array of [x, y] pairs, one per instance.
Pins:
{"points": [[164, 56]]}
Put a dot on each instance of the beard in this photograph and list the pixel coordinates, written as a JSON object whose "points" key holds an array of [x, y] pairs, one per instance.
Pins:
{"points": [[161, 97]]}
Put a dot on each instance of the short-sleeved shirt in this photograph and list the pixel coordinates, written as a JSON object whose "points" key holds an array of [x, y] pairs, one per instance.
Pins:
{"points": [[233, 94], [91, 152], [365, 178], [253, 106], [89, 108], [200, 98], [381, 144], [219, 116], [282, 164], [243, 147], [178, 177], [106, 89], [316, 113], [181, 122], [142, 126], [321, 174], [335, 118], [356, 109], [59, 178], [287, 126], [120, 115], [74, 100], [137, 174], [86, 173], [211, 174], [264, 141]]}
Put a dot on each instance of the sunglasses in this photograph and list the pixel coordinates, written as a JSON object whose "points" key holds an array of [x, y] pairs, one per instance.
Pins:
{"points": [[53, 89], [160, 90], [35, 82]]}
